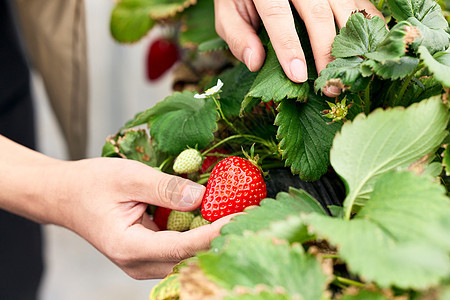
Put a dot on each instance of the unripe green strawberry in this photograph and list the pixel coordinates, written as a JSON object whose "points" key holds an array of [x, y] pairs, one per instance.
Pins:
{"points": [[198, 221], [188, 161], [179, 220]]}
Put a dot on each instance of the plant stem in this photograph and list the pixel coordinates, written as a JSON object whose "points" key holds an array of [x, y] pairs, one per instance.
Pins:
{"points": [[222, 116], [380, 5], [367, 102], [330, 256], [202, 180], [163, 164], [205, 175], [406, 84], [247, 136], [403, 89], [388, 99], [348, 281]]}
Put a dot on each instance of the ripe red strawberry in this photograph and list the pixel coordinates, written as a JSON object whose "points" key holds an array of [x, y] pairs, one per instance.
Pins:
{"points": [[270, 105], [160, 217], [210, 160], [162, 54], [235, 183]]}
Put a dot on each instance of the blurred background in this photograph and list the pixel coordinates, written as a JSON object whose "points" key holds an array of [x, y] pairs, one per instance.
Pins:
{"points": [[118, 90]]}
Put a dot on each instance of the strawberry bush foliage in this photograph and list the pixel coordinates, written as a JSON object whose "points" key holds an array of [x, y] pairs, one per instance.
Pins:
{"points": [[385, 136]]}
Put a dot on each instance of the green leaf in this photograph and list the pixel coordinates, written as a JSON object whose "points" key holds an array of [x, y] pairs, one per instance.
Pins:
{"points": [[425, 15], [260, 218], [130, 20], [420, 89], [398, 238], [439, 64], [446, 160], [392, 69], [410, 208], [272, 84], [259, 295], [342, 72], [360, 35], [236, 83], [199, 23], [212, 45], [433, 169], [305, 136], [336, 211], [166, 289], [109, 149], [394, 46], [182, 121], [162, 9], [250, 261], [385, 140], [136, 145], [365, 295]]}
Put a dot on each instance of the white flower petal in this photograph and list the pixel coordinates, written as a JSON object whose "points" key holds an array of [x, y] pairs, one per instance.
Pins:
{"points": [[198, 96], [219, 84], [211, 91]]}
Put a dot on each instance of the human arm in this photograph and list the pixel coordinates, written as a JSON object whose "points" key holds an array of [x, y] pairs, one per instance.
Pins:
{"points": [[104, 201], [237, 22]]}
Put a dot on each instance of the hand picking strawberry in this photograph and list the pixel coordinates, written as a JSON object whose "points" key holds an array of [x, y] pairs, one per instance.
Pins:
{"points": [[235, 183]]}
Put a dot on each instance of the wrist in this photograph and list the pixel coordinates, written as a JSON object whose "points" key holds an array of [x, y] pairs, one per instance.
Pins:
{"points": [[29, 182]]}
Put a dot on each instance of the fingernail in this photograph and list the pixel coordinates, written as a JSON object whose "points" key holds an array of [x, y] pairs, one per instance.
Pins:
{"points": [[333, 90], [191, 193], [298, 70], [248, 58]]}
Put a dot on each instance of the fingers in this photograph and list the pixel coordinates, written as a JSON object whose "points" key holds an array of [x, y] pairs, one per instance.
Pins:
{"points": [[279, 23], [319, 17], [236, 24], [319, 21], [174, 246], [342, 9], [147, 254], [148, 223], [170, 191]]}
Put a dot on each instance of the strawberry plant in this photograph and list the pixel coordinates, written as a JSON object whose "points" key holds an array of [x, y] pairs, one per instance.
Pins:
{"points": [[363, 212]]}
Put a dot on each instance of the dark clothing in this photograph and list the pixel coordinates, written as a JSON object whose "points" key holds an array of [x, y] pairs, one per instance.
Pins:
{"points": [[21, 262]]}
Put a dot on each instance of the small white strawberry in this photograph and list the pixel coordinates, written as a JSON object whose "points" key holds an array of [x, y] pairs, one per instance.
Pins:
{"points": [[188, 161], [179, 220], [198, 221]]}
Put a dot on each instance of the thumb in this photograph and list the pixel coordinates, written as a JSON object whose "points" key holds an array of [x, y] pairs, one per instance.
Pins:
{"points": [[174, 192]]}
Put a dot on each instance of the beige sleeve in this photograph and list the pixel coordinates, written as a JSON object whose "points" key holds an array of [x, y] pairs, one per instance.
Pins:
{"points": [[55, 38]]}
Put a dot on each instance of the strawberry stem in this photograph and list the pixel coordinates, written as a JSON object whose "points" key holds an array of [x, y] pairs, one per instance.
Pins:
{"points": [[380, 5], [405, 85], [347, 281], [246, 136], [222, 116], [163, 164]]}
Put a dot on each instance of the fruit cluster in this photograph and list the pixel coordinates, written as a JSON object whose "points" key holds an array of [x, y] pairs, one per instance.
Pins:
{"points": [[234, 184], [167, 219]]}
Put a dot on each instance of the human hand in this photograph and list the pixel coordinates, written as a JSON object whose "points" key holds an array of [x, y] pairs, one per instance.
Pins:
{"points": [[238, 20], [105, 200]]}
